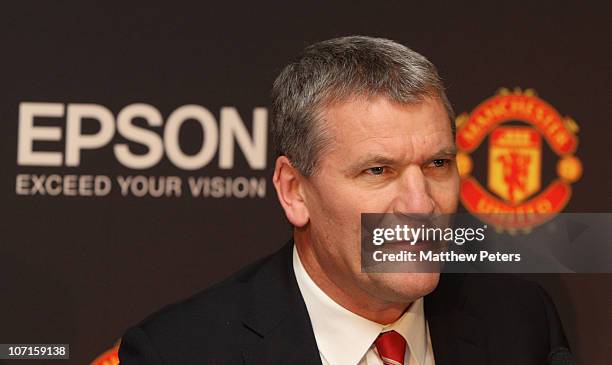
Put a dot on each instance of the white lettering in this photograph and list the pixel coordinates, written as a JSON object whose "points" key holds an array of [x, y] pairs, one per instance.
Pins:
{"points": [[28, 133], [75, 141], [226, 136], [210, 137], [133, 133], [232, 128]]}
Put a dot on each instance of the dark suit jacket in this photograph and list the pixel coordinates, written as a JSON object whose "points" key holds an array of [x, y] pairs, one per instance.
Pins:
{"points": [[258, 316]]}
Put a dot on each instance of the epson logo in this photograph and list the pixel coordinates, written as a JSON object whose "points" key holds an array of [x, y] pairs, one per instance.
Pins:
{"points": [[218, 136]]}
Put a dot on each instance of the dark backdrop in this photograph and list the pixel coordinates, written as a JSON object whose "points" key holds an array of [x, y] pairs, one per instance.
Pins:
{"points": [[80, 270]]}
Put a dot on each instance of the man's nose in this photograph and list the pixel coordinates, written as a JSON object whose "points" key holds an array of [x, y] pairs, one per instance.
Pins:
{"points": [[413, 194]]}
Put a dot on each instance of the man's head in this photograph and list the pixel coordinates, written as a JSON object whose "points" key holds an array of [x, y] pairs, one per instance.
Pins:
{"points": [[361, 125]]}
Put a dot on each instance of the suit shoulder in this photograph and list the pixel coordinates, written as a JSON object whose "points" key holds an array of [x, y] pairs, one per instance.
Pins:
{"points": [[211, 309], [502, 296], [503, 287], [208, 325], [508, 301]]}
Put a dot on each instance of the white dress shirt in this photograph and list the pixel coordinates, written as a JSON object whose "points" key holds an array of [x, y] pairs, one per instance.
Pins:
{"points": [[345, 338]]}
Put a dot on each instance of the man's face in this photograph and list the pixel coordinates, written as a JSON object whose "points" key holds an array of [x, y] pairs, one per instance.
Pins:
{"points": [[384, 158]]}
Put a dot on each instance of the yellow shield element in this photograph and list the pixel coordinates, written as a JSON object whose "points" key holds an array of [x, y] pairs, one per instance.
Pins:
{"points": [[515, 159]]}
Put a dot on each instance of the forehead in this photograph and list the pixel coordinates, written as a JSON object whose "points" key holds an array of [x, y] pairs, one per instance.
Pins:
{"points": [[380, 125]]}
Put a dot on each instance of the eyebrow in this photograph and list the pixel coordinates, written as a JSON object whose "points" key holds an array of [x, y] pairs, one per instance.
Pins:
{"points": [[378, 159], [445, 152]]}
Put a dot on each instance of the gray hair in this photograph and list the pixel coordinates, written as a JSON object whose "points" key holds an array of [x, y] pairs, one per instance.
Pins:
{"points": [[334, 70]]}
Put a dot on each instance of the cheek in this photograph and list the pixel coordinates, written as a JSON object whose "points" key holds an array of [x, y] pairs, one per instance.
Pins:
{"points": [[336, 216], [330, 209], [337, 200]]}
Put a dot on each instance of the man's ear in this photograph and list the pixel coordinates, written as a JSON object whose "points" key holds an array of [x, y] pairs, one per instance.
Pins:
{"points": [[290, 192]]}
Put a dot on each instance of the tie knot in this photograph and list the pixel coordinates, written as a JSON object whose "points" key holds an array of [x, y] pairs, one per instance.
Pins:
{"points": [[391, 347]]}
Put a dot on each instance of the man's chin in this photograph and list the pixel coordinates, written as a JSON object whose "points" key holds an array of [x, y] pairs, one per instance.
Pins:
{"points": [[404, 287]]}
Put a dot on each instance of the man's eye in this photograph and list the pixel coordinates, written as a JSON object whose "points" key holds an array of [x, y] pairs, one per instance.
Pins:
{"points": [[439, 162], [376, 170]]}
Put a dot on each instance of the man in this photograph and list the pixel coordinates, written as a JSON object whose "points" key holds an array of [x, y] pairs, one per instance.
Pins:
{"points": [[361, 125]]}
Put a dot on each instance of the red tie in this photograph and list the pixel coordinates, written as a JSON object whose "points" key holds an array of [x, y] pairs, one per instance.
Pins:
{"points": [[391, 347]]}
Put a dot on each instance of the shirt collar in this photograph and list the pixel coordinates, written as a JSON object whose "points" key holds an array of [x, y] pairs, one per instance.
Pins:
{"points": [[344, 337], [411, 325]]}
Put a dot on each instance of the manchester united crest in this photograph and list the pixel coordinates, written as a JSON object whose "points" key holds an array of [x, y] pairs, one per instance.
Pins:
{"points": [[513, 126]]}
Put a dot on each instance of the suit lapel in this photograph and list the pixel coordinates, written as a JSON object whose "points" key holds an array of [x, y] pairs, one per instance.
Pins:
{"points": [[457, 337], [277, 325]]}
